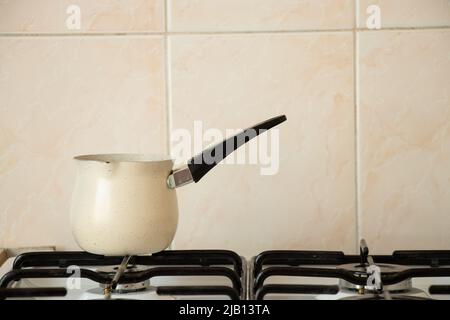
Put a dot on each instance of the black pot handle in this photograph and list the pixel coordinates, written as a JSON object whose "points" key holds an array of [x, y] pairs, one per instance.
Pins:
{"points": [[202, 163]]}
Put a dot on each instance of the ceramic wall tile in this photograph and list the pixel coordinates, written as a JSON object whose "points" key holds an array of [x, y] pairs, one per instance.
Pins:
{"points": [[406, 13], [63, 96], [50, 16], [233, 81], [254, 15], [404, 128]]}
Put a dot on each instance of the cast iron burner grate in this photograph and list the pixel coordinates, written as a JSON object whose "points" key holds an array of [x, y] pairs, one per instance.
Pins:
{"points": [[353, 272], [221, 263]]}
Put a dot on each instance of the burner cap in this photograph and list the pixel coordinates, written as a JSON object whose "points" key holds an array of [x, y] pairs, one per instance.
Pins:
{"points": [[384, 267], [381, 297], [125, 287], [360, 271]]}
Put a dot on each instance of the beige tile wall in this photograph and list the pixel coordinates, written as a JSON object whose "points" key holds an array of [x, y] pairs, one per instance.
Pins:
{"points": [[233, 81], [50, 16], [62, 96], [407, 13], [364, 153], [259, 15], [404, 130]]}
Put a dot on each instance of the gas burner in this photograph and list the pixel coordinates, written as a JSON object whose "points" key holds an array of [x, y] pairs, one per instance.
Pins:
{"points": [[382, 297], [332, 275], [149, 293], [125, 287], [202, 274], [385, 269]]}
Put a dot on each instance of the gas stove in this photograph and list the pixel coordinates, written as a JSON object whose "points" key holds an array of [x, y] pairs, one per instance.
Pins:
{"points": [[224, 275]]}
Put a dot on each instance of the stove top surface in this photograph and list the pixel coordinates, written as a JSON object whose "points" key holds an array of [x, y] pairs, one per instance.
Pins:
{"points": [[222, 274], [187, 274]]}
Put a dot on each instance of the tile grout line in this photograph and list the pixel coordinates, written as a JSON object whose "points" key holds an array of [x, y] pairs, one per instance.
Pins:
{"points": [[358, 215], [167, 79], [168, 88], [182, 33]]}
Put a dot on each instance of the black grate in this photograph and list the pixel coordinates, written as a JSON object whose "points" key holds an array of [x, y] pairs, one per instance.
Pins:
{"points": [[166, 263], [322, 264]]}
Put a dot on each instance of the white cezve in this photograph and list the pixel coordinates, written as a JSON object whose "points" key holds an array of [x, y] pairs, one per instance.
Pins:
{"points": [[126, 204]]}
